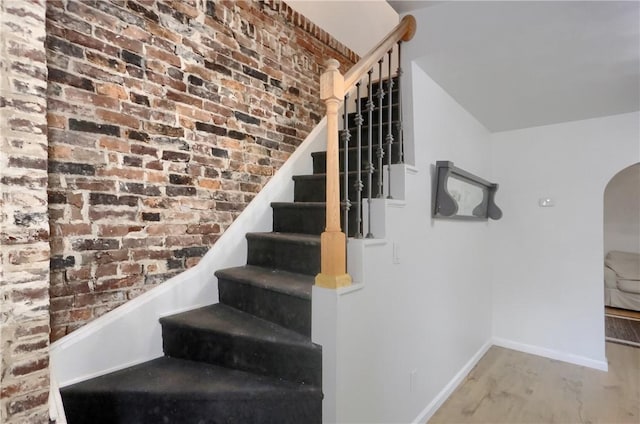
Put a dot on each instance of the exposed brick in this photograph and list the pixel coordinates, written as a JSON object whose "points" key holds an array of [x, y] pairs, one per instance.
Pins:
{"points": [[71, 168], [59, 262], [165, 118], [63, 77], [190, 252], [180, 191], [213, 129], [150, 216], [175, 156], [93, 127], [140, 99], [112, 199], [180, 179]]}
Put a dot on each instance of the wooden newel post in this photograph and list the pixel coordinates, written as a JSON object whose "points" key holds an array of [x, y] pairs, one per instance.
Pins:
{"points": [[333, 267]]}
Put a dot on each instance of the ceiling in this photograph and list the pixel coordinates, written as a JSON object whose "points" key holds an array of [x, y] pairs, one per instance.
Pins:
{"points": [[519, 64]]}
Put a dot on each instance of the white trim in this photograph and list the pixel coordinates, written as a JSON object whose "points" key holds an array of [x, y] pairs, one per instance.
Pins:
{"points": [[98, 373], [131, 333], [552, 354], [622, 341], [411, 169], [451, 386]]}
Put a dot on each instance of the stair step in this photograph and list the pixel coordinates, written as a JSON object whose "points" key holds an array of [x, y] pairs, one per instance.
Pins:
{"points": [[278, 296], [320, 158], [221, 335], [312, 188], [289, 252], [169, 390]]}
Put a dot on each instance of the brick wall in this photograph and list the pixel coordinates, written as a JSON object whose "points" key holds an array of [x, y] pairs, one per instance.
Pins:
{"points": [[24, 227], [165, 119]]}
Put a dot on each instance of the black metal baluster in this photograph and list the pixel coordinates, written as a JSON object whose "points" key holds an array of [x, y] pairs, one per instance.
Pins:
{"points": [[370, 167], [345, 137], [400, 135], [389, 139], [380, 146], [358, 184]]}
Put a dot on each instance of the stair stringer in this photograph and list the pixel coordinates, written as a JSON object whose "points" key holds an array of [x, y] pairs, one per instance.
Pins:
{"points": [[131, 333], [337, 314]]}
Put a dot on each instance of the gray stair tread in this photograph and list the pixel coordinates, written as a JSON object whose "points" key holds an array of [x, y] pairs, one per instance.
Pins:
{"points": [[172, 377], [287, 237], [221, 318], [291, 283]]}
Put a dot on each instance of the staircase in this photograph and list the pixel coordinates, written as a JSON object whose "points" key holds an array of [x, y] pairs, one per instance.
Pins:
{"points": [[249, 358]]}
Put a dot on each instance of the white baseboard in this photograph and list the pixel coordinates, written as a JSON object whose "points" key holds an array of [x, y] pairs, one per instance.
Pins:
{"points": [[444, 394], [552, 354]]}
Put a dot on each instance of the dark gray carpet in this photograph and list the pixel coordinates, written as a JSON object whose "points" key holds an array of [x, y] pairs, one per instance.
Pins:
{"points": [[622, 330]]}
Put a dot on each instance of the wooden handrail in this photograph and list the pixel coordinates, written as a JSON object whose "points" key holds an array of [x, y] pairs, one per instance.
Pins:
{"points": [[333, 86], [404, 31]]}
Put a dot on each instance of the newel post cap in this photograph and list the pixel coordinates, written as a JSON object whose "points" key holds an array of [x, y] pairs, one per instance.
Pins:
{"points": [[331, 81]]}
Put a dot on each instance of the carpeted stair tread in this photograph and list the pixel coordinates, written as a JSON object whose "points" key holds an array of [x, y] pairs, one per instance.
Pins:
{"points": [[172, 377], [169, 390], [293, 252], [222, 319], [290, 283], [308, 239]]}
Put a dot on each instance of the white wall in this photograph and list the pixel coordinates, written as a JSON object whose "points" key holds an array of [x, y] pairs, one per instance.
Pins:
{"points": [[431, 313], [622, 211], [548, 271], [358, 24]]}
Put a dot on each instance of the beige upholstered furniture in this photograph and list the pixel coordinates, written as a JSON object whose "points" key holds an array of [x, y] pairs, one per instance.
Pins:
{"points": [[622, 280]]}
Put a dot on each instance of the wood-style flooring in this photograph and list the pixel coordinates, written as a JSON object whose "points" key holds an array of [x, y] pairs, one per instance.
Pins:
{"points": [[625, 313], [513, 387]]}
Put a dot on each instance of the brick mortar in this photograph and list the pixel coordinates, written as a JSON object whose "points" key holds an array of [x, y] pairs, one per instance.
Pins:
{"points": [[221, 95], [24, 246]]}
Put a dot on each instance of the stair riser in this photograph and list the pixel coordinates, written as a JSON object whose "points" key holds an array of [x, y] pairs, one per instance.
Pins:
{"points": [[307, 220], [288, 311], [320, 159], [303, 258], [289, 362], [141, 408], [314, 189]]}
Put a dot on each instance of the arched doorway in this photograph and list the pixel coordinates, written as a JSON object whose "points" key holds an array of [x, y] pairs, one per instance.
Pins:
{"points": [[622, 256]]}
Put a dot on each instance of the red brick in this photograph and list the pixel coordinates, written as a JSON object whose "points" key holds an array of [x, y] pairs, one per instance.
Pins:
{"points": [[118, 118], [156, 109]]}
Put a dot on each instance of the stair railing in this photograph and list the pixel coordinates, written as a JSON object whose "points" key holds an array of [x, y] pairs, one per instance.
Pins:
{"points": [[333, 89]]}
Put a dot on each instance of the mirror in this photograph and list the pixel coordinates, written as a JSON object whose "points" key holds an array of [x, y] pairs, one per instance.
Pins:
{"points": [[468, 197], [462, 195]]}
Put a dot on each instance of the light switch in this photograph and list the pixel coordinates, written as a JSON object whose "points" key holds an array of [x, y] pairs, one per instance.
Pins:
{"points": [[546, 202]]}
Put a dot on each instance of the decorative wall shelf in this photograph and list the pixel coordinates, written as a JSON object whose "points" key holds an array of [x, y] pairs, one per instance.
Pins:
{"points": [[462, 195]]}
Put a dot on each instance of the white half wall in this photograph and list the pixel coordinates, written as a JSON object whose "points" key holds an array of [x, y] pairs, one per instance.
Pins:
{"points": [[548, 289], [421, 314], [622, 211], [131, 334]]}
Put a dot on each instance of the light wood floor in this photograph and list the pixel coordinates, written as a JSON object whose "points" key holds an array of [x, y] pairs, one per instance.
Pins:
{"points": [[621, 312], [513, 387]]}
